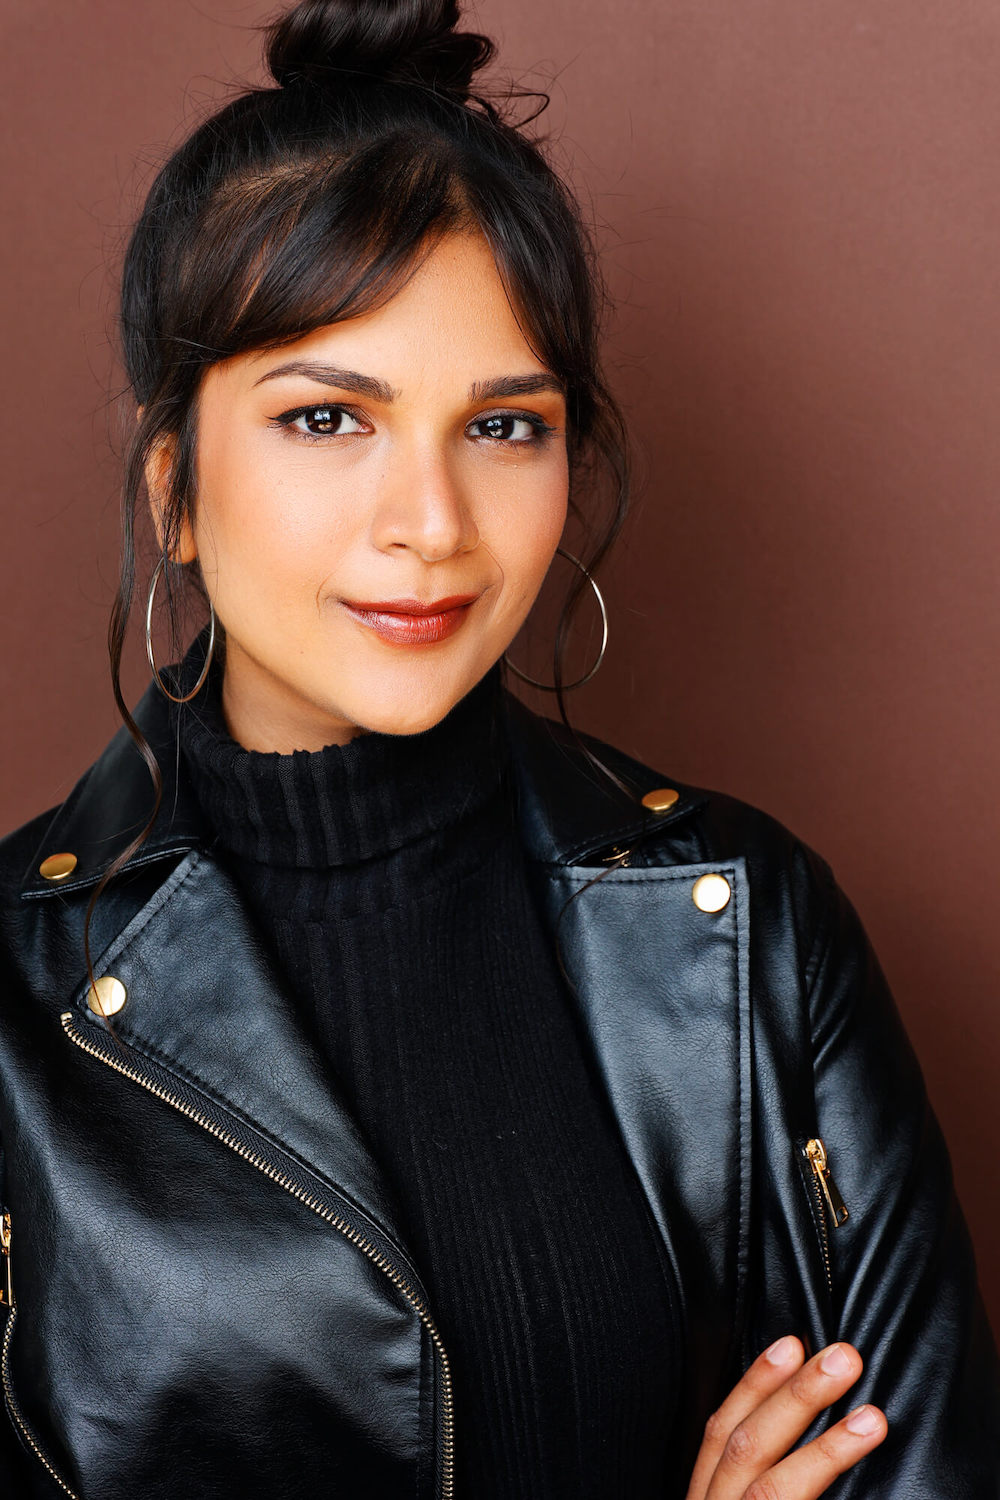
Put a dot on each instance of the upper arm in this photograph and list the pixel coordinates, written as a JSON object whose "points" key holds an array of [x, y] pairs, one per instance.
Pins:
{"points": [[905, 1278]]}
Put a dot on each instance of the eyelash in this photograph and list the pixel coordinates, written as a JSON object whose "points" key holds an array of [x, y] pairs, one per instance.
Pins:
{"points": [[542, 429]]}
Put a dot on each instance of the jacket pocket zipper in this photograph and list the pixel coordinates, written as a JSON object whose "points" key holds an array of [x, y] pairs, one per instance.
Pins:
{"points": [[13, 1408], [829, 1204], [7, 1294], [311, 1201]]}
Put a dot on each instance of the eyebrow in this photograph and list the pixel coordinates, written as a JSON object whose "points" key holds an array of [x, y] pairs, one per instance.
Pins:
{"points": [[516, 385], [379, 390]]}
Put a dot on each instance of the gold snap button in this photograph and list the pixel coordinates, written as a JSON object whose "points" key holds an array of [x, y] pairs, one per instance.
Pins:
{"points": [[57, 866], [711, 892], [663, 798], [107, 995]]}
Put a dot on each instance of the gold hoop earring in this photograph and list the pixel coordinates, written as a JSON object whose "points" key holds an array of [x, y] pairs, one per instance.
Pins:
{"points": [[547, 687], [157, 571]]}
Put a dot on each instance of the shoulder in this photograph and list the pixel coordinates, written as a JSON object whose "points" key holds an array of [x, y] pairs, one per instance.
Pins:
{"points": [[580, 810], [798, 919], [22, 850], [783, 870]]}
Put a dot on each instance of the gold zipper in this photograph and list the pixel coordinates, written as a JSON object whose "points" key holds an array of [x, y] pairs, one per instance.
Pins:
{"points": [[6, 1292], [816, 1152], [318, 1207], [827, 1197], [8, 1389]]}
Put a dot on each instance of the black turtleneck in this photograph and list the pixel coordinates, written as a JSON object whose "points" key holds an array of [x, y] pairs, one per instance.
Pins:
{"points": [[388, 876]]}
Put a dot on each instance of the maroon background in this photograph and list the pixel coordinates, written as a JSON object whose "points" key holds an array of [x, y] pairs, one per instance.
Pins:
{"points": [[799, 216]]}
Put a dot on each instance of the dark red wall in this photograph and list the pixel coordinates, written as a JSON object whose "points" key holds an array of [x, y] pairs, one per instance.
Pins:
{"points": [[800, 219]]}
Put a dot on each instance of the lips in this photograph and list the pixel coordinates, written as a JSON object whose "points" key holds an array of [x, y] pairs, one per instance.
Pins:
{"points": [[408, 622], [410, 606]]}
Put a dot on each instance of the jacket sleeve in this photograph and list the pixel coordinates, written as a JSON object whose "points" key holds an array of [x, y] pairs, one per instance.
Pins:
{"points": [[904, 1276]]}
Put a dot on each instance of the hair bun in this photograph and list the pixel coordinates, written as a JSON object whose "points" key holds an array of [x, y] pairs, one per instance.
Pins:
{"points": [[404, 41]]}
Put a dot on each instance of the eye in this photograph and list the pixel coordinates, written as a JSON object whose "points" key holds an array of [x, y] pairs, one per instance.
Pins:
{"points": [[511, 427], [321, 421]]}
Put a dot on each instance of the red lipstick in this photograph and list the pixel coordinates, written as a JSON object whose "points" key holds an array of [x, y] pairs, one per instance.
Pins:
{"points": [[408, 622]]}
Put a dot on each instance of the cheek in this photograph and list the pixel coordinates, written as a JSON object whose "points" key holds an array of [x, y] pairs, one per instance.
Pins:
{"points": [[526, 533], [262, 521]]}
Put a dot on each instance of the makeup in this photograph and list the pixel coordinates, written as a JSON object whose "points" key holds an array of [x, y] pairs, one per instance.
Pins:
{"points": [[407, 622]]}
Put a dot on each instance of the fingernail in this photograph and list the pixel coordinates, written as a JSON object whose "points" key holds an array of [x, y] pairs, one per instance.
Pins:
{"points": [[781, 1351], [835, 1361], [863, 1422]]}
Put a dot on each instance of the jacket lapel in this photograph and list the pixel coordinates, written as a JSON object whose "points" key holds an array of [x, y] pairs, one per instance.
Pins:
{"points": [[228, 1031], [663, 988]]}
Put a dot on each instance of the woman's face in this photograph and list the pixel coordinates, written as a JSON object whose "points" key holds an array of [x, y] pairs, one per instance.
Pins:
{"points": [[415, 453]]}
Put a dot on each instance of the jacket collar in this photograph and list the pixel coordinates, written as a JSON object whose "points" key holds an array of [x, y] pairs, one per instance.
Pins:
{"points": [[568, 810]]}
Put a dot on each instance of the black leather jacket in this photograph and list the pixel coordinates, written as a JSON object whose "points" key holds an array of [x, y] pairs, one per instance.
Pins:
{"points": [[213, 1297]]}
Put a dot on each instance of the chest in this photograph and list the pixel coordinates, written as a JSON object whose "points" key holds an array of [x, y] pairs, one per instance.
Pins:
{"points": [[206, 1230]]}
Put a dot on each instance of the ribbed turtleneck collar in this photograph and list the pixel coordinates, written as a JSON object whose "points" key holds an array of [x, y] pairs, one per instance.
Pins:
{"points": [[345, 803]]}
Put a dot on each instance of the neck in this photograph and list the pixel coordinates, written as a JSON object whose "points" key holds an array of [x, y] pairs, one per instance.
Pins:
{"points": [[264, 712], [345, 803]]}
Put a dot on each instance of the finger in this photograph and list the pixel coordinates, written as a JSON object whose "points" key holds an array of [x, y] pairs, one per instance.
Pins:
{"points": [[766, 1434], [809, 1471], [768, 1371]]}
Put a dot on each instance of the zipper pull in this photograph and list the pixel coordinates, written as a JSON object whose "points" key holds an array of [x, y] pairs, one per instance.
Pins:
{"points": [[7, 1293], [816, 1152]]}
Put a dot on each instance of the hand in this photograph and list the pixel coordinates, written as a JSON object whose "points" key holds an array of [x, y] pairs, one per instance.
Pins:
{"points": [[743, 1453]]}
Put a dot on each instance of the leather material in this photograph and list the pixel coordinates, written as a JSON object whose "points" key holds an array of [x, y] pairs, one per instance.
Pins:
{"points": [[214, 1293]]}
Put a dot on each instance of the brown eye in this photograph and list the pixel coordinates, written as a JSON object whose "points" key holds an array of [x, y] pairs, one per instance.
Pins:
{"points": [[323, 421], [507, 429]]}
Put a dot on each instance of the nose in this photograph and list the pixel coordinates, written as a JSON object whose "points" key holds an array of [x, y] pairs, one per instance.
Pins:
{"points": [[424, 507]]}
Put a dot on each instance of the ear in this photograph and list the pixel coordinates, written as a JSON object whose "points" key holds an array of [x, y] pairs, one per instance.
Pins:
{"points": [[157, 471]]}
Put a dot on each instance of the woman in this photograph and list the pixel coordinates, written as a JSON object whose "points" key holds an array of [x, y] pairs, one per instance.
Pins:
{"points": [[426, 1100]]}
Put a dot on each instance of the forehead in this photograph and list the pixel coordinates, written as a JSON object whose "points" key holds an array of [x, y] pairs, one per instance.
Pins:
{"points": [[450, 322]]}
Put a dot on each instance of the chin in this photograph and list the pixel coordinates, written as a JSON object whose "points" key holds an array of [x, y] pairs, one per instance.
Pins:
{"points": [[391, 707], [401, 717], [414, 725]]}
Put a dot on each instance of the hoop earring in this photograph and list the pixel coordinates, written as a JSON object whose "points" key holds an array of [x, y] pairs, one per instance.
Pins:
{"points": [[157, 571], [546, 687]]}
